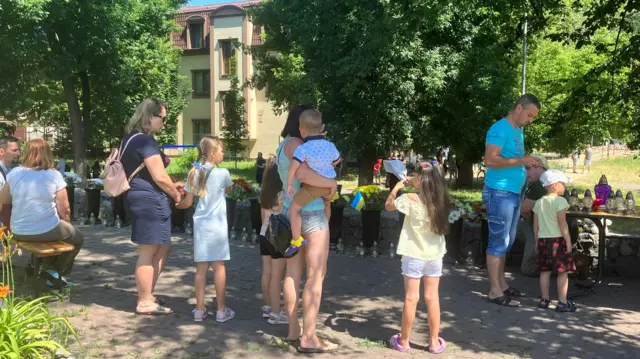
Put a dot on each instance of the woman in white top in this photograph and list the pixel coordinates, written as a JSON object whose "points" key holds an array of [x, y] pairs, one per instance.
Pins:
{"points": [[41, 211]]}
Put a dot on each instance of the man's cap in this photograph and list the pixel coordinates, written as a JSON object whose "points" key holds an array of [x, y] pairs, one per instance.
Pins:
{"points": [[543, 160]]}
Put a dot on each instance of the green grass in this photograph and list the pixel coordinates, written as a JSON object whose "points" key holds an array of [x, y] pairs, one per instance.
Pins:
{"points": [[367, 343], [622, 173]]}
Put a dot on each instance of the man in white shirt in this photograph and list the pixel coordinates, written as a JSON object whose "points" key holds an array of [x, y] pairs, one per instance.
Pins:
{"points": [[9, 153], [62, 165]]}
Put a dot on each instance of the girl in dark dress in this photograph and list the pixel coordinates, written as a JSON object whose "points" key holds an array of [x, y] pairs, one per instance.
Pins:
{"points": [[148, 201]]}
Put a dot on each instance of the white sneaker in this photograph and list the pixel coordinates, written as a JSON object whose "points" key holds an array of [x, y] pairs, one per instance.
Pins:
{"points": [[199, 315], [281, 318], [266, 310], [225, 315]]}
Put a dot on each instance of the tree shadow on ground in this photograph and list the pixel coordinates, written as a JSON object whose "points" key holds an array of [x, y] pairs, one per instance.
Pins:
{"points": [[361, 309]]}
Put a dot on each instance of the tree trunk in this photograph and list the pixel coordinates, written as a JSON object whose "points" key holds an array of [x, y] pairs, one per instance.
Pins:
{"points": [[366, 160], [86, 105], [79, 139], [465, 174]]}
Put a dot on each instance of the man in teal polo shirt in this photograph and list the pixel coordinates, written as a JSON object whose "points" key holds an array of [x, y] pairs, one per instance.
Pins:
{"points": [[505, 161]]}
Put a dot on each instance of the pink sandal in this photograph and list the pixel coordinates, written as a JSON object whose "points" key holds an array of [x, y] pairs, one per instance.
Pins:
{"points": [[393, 341], [443, 346]]}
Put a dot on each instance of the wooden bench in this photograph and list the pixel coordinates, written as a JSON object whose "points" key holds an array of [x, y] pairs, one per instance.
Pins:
{"points": [[40, 250]]}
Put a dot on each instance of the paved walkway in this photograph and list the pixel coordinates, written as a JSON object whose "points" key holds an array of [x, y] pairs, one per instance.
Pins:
{"points": [[361, 309]]}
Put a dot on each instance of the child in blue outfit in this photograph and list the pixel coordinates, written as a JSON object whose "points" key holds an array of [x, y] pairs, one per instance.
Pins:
{"points": [[321, 156]]}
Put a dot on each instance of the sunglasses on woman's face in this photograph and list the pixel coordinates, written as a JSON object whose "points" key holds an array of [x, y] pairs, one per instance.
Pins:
{"points": [[161, 117]]}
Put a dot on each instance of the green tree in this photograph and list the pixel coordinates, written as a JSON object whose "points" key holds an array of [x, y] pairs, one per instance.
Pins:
{"points": [[386, 75], [603, 101], [98, 58], [235, 125]]}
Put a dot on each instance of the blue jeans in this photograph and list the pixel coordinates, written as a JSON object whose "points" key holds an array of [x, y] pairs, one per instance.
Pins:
{"points": [[503, 212]]}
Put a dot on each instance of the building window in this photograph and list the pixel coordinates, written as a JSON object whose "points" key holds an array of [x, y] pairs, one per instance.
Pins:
{"points": [[227, 56], [201, 128], [200, 80], [196, 35]]}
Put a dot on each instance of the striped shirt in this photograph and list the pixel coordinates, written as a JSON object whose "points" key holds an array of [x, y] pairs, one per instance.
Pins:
{"points": [[274, 210]]}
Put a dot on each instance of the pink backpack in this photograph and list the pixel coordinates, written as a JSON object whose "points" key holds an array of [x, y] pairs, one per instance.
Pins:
{"points": [[114, 179]]}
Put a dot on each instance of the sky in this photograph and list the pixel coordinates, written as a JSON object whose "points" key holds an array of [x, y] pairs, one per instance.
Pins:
{"points": [[207, 2]]}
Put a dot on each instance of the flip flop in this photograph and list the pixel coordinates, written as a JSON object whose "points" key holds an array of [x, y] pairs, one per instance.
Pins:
{"points": [[327, 347], [512, 292], [158, 310], [393, 342], [504, 301]]}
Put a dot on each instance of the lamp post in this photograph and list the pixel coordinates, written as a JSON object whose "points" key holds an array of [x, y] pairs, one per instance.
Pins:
{"points": [[524, 55]]}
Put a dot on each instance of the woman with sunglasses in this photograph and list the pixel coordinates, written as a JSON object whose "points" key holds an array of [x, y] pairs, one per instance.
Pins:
{"points": [[148, 200]]}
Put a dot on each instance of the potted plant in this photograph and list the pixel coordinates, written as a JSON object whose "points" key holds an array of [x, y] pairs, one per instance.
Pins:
{"points": [[240, 191], [371, 206], [459, 213], [337, 210]]}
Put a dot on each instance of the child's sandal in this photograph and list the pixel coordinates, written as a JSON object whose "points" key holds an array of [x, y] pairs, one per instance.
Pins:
{"points": [[544, 303], [394, 343]]}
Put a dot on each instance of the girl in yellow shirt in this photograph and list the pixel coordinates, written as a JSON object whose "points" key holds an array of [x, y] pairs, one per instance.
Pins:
{"points": [[422, 247]]}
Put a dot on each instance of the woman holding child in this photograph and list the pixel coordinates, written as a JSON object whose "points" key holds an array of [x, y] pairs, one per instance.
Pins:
{"points": [[315, 230]]}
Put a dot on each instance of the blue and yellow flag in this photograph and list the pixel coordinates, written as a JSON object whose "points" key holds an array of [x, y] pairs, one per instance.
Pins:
{"points": [[358, 201]]}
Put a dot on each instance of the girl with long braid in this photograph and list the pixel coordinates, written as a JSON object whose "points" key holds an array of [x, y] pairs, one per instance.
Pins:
{"points": [[209, 184]]}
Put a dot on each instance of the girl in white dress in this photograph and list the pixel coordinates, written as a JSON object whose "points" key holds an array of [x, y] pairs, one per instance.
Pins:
{"points": [[209, 184]]}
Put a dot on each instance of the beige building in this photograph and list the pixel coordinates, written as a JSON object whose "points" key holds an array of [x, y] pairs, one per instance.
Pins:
{"points": [[207, 39]]}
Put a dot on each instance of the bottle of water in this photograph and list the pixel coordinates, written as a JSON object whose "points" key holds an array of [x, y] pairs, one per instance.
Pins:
{"points": [[187, 228], [392, 251], [254, 238], [92, 219], [374, 250], [245, 235], [340, 246], [118, 221], [232, 234], [361, 252]]}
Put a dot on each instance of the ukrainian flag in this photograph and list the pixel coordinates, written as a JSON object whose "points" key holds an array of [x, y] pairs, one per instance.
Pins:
{"points": [[358, 201]]}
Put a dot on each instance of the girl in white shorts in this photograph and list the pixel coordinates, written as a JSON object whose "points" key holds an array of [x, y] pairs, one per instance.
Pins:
{"points": [[422, 247]]}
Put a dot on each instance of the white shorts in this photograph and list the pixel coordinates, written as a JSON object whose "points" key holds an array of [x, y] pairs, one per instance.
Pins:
{"points": [[587, 162], [418, 268]]}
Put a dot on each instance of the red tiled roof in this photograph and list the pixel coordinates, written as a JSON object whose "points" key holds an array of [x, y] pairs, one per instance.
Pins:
{"points": [[179, 39]]}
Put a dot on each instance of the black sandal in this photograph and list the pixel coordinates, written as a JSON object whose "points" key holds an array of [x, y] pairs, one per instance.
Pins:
{"points": [[568, 307], [544, 303], [504, 301], [512, 292]]}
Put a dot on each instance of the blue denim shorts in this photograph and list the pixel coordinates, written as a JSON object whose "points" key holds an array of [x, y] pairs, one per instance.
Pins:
{"points": [[312, 221], [503, 212]]}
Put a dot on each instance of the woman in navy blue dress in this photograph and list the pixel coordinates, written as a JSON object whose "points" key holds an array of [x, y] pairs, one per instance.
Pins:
{"points": [[148, 200]]}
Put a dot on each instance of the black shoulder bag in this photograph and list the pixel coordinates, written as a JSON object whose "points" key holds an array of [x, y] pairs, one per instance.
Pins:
{"points": [[279, 230]]}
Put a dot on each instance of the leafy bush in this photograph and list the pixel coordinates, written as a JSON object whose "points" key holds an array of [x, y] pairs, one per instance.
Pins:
{"points": [[186, 160], [28, 329]]}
